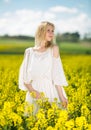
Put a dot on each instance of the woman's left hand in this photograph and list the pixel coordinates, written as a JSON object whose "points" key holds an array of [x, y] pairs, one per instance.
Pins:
{"points": [[64, 102]]}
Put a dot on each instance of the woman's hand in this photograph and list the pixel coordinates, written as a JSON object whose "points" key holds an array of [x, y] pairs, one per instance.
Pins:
{"points": [[36, 94], [31, 89], [64, 102], [61, 95]]}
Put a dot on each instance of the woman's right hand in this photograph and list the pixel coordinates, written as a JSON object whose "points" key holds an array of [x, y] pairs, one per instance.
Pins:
{"points": [[31, 89], [37, 94]]}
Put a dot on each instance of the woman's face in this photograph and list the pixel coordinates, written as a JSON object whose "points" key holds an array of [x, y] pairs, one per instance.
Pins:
{"points": [[49, 33]]}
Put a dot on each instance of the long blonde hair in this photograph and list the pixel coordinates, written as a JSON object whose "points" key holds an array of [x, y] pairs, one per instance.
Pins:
{"points": [[41, 33]]}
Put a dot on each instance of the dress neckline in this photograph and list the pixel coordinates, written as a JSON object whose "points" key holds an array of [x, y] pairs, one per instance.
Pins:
{"points": [[41, 52]]}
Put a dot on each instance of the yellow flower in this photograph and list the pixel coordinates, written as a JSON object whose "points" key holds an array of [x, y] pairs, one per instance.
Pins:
{"points": [[85, 112], [63, 115], [89, 126], [30, 121], [15, 118], [20, 128], [35, 128], [29, 109], [69, 124], [81, 122], [50, 128], [33, 94], [2, 119]]}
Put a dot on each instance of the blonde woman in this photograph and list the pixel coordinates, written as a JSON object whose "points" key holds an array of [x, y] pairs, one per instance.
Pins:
{"points": [[41, 69]]}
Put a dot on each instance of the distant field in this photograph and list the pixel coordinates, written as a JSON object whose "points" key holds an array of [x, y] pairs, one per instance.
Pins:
{"points": [[13, 46], [75, 48]]}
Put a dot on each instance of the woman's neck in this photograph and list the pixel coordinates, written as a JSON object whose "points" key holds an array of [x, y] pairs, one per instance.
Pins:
{"points": [[40, 47]]}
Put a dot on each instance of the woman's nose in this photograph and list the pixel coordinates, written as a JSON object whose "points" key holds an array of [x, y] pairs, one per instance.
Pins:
{"points": [[51, 33]]}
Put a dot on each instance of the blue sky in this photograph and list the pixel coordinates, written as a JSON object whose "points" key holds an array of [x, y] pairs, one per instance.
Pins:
{"points": [[23, 16]]}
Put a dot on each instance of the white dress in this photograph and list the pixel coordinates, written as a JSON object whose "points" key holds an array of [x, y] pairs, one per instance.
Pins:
{"points": [[43, 71]]}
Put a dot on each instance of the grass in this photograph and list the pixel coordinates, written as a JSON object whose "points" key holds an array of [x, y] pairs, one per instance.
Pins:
{"points": [[75, 48], [15, 46]]}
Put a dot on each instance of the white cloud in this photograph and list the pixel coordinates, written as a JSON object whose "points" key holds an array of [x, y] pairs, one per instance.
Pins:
{"points": [[20, 22], [63, 9], [80, 23], [25, 22], [48, 15], [7, 1]]}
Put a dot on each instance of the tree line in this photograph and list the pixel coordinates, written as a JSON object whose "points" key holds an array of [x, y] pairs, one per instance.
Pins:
{"points": [[68, 37], [19, 37], [64, 37]]}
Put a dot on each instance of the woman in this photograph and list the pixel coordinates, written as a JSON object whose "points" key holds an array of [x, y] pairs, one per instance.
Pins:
{"points": [[41, 69]]}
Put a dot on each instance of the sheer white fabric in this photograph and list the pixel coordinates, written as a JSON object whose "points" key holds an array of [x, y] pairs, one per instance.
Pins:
{"points": [[43, 71], [24, 75], [58, 74]]}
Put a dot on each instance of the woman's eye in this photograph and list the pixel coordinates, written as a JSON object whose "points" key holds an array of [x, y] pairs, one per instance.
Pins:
{"points": [[48, 30]]}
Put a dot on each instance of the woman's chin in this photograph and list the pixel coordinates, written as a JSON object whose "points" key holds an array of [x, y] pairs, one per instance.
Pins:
{"points": [[49, 40]]}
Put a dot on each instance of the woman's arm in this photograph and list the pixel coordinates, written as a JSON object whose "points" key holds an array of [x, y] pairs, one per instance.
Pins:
{"points": [[31, 89], [63, 99], [59, 88]]}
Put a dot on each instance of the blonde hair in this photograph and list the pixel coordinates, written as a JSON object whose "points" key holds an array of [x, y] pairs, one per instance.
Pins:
{"points": [[41, 33]]}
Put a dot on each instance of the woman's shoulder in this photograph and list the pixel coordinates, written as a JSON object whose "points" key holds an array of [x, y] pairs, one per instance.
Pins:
{"points": [[28, 50], [55, 49]]}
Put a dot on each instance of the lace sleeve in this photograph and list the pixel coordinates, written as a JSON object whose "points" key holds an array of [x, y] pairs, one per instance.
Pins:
{"points": [[58, 74], [23, 71]]}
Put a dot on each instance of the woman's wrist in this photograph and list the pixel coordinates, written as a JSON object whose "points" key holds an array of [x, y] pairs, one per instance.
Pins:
{"points": [[31, 89], [59, 90], [29, 86], [63, 98]]}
